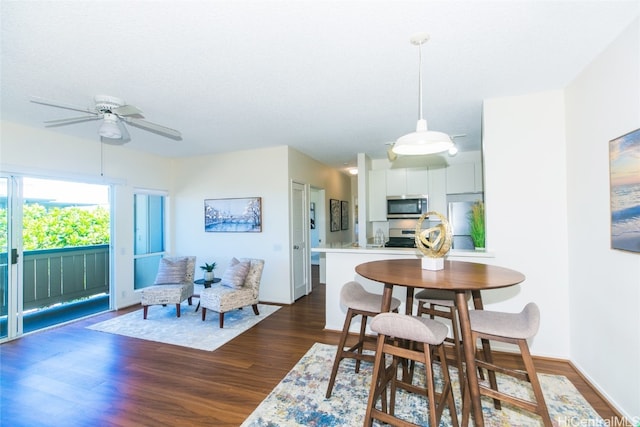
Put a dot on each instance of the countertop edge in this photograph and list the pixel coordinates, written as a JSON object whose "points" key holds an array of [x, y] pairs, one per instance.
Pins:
{"points": [[398, 251]]}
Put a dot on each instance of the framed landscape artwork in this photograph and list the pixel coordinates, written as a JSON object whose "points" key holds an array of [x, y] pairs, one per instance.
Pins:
{"points": [[344, 215], [233, 215], [334, 214], [624, 168]]}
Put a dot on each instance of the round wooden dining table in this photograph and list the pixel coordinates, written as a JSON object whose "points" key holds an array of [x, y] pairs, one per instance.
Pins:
{"points": [[457, 276]]}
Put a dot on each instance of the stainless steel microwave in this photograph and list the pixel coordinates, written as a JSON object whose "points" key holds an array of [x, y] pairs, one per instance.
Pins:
{"points": [[407, 206]]}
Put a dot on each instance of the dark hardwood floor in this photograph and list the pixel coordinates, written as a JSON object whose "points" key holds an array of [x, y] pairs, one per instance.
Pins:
{"points": [[73, 376]]}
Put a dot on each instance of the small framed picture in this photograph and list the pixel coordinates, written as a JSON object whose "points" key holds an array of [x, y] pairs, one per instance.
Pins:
{"points": [[312, 215], [344, 215], [334, 214]]}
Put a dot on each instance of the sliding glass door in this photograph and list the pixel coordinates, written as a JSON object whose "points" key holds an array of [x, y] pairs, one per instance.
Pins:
{"points": [[54, 260]]}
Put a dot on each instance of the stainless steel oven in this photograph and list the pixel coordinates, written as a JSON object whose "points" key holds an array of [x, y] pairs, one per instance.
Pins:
{"points": [[401, 238], [407, 206]]}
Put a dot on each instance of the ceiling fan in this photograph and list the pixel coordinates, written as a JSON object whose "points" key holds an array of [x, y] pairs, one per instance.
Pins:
{"points": [[113, 112]]}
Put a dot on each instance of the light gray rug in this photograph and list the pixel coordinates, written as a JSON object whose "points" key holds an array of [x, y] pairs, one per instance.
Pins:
{"points": [[188, 330]]}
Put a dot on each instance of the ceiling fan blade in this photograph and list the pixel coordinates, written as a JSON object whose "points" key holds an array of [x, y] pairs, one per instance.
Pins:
{"points": [[155, 128], [50, 103], [127, 110], [63, 122], [72, 120]]}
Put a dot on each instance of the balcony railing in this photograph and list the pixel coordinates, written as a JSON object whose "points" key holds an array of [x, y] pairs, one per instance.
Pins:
{"points": [[54, 276]]}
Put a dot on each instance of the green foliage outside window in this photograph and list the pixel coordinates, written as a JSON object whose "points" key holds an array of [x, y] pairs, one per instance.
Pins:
{"points": [[59, 227]]}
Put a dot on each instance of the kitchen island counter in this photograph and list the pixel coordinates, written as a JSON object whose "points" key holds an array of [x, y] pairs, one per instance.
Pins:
{"points": [[337, 267], [406, 252]]}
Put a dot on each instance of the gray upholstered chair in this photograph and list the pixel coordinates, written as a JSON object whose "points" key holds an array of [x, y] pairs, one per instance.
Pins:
{"points": [[394, 330], [513, 328], [173, 284], [237, 289], [359, 302], [441, 303]]}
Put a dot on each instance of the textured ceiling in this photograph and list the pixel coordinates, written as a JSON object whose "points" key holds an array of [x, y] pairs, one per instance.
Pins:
{"points": [[331, 79]]}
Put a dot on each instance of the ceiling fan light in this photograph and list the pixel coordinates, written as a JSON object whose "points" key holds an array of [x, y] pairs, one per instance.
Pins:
{"points": [[110, 128], [453, 150]]}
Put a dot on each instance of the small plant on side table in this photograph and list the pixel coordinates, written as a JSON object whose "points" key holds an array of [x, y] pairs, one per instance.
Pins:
{"points": [[208, 271], [476, 225]]}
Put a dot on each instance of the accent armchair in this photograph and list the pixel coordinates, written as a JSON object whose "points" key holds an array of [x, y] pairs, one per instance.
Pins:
{"points": [[239, 287], [173, 284]]}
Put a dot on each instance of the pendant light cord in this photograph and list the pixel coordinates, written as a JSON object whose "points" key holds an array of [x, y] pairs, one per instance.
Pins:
{"points": [[101, 158], [420, 80]]}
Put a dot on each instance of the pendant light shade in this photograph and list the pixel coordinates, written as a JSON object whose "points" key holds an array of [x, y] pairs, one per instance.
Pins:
{"points": [[422, 141]]}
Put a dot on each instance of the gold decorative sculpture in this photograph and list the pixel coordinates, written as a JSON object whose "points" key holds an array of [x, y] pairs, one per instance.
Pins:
{"points": [[433, 242]]}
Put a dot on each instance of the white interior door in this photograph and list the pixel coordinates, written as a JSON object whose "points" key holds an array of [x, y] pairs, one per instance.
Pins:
{"points": [[299, 239]]}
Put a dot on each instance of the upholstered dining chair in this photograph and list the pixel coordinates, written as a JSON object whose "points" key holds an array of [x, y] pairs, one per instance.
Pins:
{"points": [[441, 303], [394, 330], [239, 287], [359, 302], [512, 328], [173, 284]]}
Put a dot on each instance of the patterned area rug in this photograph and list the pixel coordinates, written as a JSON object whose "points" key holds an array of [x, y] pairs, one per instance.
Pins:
{"points": [[299, 399], [188, 330]]}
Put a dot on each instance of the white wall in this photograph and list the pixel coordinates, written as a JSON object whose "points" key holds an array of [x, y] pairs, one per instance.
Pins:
{"points": [[525, 195], [48, 154], [264, 173], [337, 185], [233, 175], [603, 103], [548, 215]]}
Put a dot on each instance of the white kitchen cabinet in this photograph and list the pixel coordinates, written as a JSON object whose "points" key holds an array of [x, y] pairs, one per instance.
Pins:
{"points": [[410, 181], [396, 182], [461, 178], [377, 195], [417, 181]]}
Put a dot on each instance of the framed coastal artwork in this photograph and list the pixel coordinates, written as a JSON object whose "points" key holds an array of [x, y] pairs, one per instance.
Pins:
{"points": [[624, 169], [239, 215], [334, 214]]}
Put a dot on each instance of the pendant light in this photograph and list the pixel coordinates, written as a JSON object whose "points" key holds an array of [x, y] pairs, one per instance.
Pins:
{"points": [[422, 141]]}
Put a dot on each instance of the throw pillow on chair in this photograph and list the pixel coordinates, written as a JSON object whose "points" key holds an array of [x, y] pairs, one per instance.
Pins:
{"points": [[235, 274]]}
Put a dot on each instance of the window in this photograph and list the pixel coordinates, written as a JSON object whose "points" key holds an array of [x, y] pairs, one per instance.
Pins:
{"points": [[149, 215]]}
